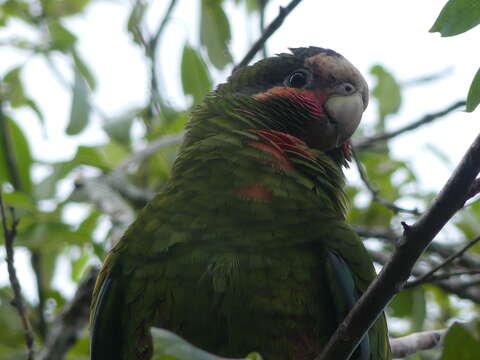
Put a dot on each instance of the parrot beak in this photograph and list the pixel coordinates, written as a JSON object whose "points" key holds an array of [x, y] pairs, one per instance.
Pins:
{"points": [[346, 111]]}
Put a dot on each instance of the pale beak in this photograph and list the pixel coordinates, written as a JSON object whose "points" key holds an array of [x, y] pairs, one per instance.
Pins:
{"points": [[346, 111]]}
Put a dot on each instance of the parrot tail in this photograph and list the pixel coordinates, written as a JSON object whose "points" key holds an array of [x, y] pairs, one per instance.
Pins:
{"points": [[345, 286], [106, 334]]}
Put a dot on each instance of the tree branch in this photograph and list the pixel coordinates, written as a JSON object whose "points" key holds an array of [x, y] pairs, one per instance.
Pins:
{"points": [[375, 192], [149, 150], [394, 274], [426, 277], [467, 260], [261, 9], [274, 26], [17, 302], [413, 343], [68, 326], [110, 203], [156, 100], [370, 141], [425, 79]]}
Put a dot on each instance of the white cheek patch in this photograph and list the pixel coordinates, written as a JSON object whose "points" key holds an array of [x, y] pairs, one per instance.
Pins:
{"points": [[338, 68]]}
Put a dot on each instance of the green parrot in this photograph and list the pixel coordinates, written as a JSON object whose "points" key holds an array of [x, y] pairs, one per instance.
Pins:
{"points": [[246, 248]]}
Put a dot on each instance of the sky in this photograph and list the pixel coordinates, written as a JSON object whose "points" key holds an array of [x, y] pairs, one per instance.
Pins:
{"points": [[392, 33]]}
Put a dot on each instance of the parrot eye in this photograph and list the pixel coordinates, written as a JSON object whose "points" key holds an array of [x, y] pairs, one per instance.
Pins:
{"points": [[298, 79], [346, 88]]}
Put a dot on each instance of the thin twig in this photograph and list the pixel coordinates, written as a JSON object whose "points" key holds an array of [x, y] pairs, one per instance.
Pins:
{"points": [[261, 6], [425, 79], [17, 302], [375, 192], [425, 278], [156, 100], [440, 277], [451, 286], [413, 343], [18, 185], [467, 260], [274, 26], [395, 273], [370, 141]]}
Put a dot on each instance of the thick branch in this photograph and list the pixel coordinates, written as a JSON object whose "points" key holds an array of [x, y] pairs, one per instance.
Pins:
{"points": [[18, 302], [274, 26], [70, 323], [411, 344], [414, 240], [368, 142]]}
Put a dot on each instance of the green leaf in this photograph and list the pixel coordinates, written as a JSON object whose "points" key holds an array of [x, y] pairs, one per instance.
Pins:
{"points": [[411, 304], [16, 93], [91, 156], [21, 156], [79, 265], [462, 342], [473, 98], [118, 128], [84, 70], [215, 33], [134, 20], [195, 77], [80, 110], [387, 91], [19, 200], [62, 39], [169, 346], [55, 8], [457, 16]]}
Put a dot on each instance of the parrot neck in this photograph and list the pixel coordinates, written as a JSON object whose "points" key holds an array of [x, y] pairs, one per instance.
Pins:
{"points": [[252, 155]]}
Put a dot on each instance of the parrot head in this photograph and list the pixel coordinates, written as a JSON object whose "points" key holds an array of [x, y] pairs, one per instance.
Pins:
{"points": [[314, 94]]}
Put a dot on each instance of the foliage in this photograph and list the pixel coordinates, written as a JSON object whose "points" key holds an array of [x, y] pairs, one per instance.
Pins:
{"points": [[456, 17], [52, 240]]}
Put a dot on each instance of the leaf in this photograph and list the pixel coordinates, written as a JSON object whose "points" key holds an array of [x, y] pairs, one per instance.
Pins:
{"points": [[473, 98], [195, 77], [16, 93], [215, 33], [118, 128], [80, 109], [134, 20], [21, 156], [55, 8], [91, 156], [411, 304], [79, 265], [19, 200], [61, 38], [461, 342], [387, 91], [84, 70], [456, 17], [169, 346]]}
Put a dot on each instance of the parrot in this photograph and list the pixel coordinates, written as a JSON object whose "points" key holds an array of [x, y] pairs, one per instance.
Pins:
{"points": [[247, 248]]}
